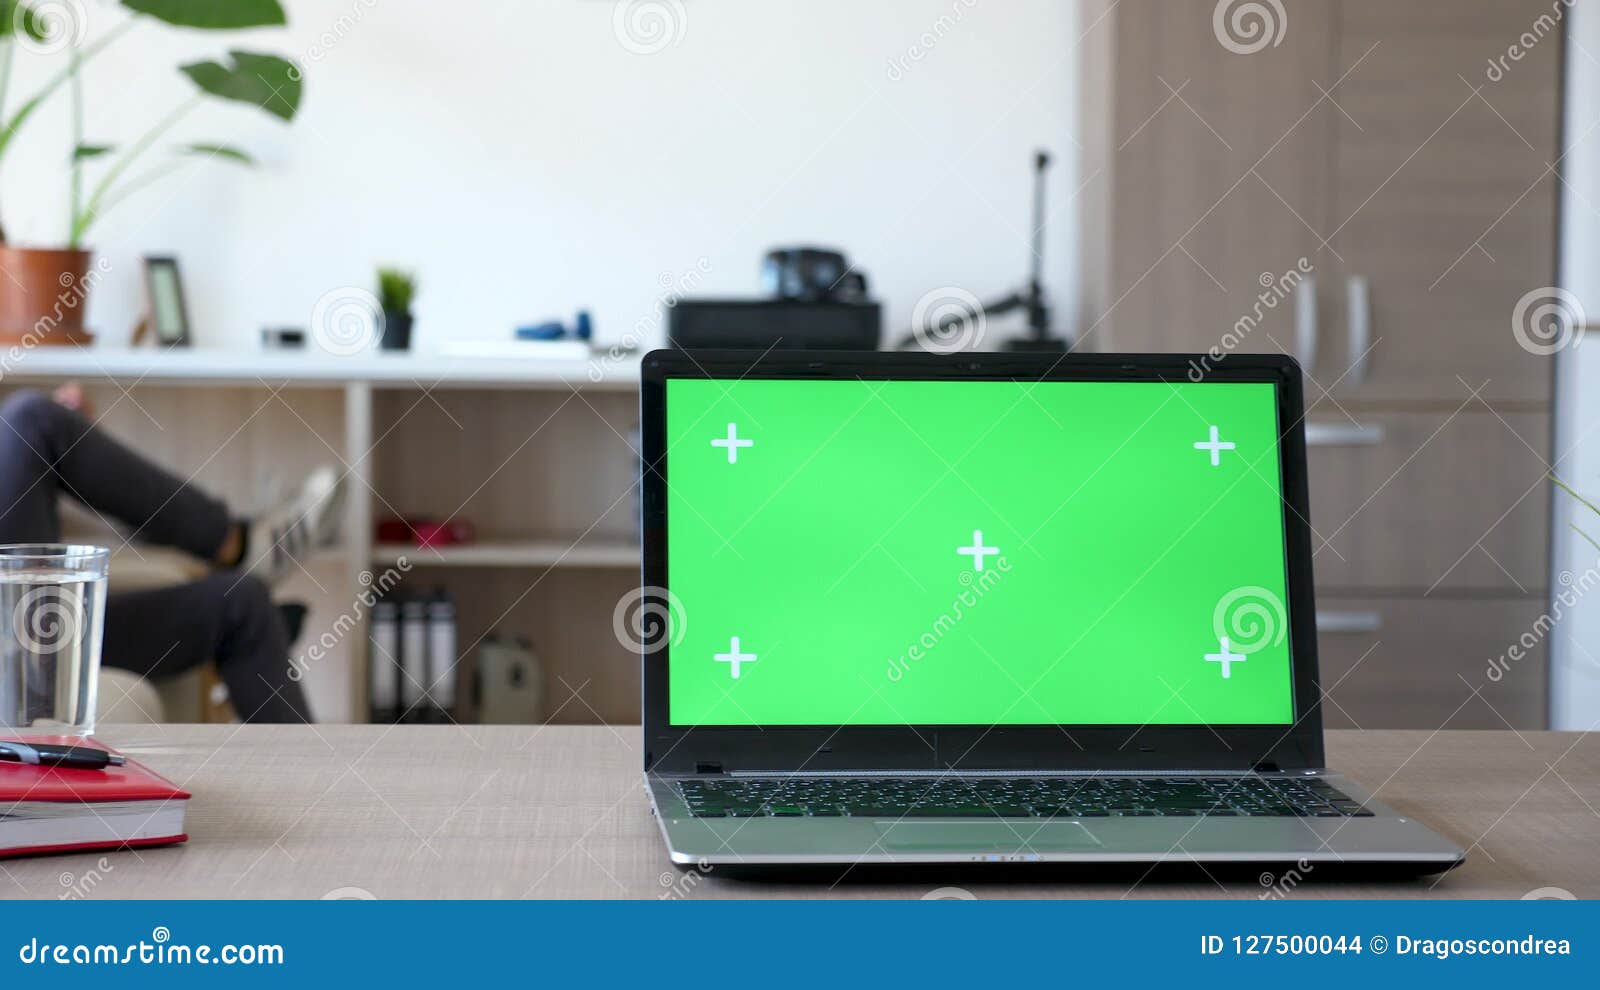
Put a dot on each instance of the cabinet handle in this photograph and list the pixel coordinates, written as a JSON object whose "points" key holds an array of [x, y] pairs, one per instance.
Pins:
{"points": [[1358, 314], [1305, 323], [1336, 622], [1344, 434]]}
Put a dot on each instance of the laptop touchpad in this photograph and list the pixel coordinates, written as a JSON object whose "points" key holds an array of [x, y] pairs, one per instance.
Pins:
{"points": [[999, 837]]}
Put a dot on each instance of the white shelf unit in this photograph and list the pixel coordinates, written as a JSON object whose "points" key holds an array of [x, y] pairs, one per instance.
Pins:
{"points": [[525, 450], [548, 479]]}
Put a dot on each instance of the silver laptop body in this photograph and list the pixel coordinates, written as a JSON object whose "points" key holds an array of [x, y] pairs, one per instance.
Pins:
{"points": [[699, 774]]}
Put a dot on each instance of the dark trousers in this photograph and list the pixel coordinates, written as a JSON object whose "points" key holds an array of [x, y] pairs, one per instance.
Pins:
{"points": [[47, 450]]}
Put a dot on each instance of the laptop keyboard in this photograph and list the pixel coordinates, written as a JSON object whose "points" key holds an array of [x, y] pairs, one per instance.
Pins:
{"points": [[1018, 797]]}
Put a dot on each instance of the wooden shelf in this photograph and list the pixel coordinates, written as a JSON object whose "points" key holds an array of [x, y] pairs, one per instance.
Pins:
{"points": [[555, 552]]}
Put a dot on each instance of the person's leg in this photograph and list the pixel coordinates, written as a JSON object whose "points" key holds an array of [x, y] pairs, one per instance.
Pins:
{"points": [[46, 448], [227, 617]]}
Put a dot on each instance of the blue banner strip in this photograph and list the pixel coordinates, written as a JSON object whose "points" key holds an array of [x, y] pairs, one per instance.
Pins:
{"points": [[794, 943]]}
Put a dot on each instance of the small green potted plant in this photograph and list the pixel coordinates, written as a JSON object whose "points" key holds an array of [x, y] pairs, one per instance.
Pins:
{"points": [[396, 289], [43, 300]]}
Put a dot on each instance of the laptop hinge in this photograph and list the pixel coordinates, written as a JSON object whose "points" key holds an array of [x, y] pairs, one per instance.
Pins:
{"points": [[1265, 766], [708, 768]]}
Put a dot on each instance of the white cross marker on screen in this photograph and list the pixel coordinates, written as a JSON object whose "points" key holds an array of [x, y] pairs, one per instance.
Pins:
{"points": [[734, 657], [1214, 445], [977, 551], [1225, 657], [733, 443]]}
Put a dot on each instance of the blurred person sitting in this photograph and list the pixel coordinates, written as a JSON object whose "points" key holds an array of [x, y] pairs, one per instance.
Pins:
{"points": [[48, 448]]}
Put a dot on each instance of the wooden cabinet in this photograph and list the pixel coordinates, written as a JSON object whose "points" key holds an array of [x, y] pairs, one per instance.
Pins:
{"points": [[1371, 143], [1391, 663], [1368, 186], [1424, 502], [1213, 172], [1443, 197]]}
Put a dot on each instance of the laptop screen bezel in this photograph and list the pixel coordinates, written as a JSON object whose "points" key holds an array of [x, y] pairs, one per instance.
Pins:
{"points": [[671, 749]]}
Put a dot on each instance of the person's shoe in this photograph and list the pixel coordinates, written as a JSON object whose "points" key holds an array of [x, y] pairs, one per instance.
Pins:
{"points": [[293, 615], [307, 521]]}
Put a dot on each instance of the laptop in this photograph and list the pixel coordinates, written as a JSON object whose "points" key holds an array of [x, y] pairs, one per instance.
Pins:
{"points": [[988, 609]]}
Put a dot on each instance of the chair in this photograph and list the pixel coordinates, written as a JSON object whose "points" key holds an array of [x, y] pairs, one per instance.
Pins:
{"points": [[127, 698]]}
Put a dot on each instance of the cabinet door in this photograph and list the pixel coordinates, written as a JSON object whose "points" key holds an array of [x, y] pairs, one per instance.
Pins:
{"points": [[1219, 175], [1429, 502], [1444, 197], [1415, 663]]}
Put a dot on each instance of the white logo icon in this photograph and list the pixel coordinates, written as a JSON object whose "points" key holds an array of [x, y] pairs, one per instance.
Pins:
{"points": [[645, 27], [1547, 320], [47, 619], [1248, 27], [347, 320], [1251, 617]]}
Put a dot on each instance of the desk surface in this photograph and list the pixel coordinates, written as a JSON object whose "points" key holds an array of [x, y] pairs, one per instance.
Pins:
{"points": [[513, 811]]}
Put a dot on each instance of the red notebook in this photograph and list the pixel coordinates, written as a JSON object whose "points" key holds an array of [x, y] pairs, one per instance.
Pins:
{"points": [[44, 809]]}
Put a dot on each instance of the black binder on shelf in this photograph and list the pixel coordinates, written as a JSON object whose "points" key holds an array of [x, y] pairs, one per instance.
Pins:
{"points": [[413, 659], [442, 657]]}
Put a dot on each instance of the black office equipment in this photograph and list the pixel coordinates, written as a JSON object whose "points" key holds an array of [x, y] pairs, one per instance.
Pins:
{"points": [[1030, 297], [775, 324], [812, 273]]}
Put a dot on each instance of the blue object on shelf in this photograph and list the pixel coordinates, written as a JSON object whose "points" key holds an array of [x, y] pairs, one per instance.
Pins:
{"points": [[542, 331], [583, 327]]}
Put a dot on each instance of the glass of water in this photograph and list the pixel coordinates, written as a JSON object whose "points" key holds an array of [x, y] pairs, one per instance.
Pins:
{"points": [[52, 611]]}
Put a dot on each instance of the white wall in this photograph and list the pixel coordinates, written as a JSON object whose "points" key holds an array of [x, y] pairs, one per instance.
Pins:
{"points": [[1575, 642], [526, 163]]}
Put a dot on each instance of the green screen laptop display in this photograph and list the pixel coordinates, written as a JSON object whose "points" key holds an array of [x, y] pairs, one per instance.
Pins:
{"points": [[975, 553]]}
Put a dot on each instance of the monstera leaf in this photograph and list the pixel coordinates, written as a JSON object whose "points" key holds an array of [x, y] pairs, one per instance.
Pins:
{"points": [[210, 14], [225, 151], [265, 81], [14, 15]]}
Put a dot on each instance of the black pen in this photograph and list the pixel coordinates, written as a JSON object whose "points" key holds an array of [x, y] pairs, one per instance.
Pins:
{"points": [[66, 757]]}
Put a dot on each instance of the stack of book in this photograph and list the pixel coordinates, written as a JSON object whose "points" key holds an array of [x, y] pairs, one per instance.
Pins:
{"points": [[47, 808]]}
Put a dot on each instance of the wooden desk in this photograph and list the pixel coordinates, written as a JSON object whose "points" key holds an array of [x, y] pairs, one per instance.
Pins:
{"points": [[559, 811]]}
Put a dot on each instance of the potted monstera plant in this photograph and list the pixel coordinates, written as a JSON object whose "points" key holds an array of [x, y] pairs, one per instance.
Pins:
{"points": [[42, 302]]}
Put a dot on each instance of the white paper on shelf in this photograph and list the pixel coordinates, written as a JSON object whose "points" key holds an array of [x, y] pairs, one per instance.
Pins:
{"points": [[517, 350]]}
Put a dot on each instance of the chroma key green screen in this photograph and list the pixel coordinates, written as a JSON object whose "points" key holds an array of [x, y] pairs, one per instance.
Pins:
{"points": [[976, 553]]}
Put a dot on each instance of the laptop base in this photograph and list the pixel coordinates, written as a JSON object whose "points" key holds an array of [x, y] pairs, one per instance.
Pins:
{"points": [[1282, 878], [1385, 842]]}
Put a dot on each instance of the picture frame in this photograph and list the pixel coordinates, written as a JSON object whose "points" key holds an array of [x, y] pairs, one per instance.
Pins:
{"points": [[169, 312]]}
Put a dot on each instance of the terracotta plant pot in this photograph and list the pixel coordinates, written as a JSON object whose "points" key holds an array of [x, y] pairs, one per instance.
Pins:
{"points": [[43, 293]]}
